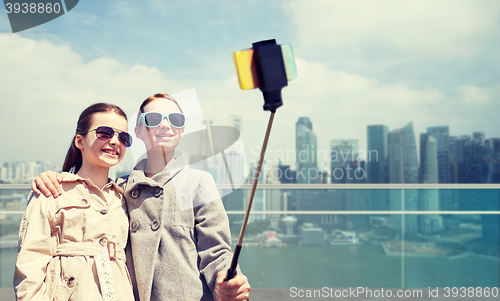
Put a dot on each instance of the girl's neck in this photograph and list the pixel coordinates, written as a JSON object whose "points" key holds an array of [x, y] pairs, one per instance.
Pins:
{"points": [[98, 175], [157, 160]]}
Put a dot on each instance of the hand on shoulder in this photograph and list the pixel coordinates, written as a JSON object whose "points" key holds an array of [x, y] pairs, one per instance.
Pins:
{"points": [[48, 184]]}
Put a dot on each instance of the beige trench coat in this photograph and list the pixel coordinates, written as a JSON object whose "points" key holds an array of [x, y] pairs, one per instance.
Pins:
{"points": [[59, 238]]}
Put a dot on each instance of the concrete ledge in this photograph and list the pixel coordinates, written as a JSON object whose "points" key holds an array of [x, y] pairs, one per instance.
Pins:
{"points": [[271, 294]]}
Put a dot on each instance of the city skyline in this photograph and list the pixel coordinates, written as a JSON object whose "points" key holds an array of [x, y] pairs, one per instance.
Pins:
{"points": [[273, 157]]}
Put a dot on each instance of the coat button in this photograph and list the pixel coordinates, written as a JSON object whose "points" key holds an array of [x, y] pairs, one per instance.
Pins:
{"points": [[136, 193], [134, 226], [104, 211], [103, 241], [155, 225], [85, 202], [158, 191], [71, 282]]}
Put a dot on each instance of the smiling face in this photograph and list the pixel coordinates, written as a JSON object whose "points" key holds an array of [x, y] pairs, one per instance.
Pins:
{"points": [[98, 153], [163, 136]]}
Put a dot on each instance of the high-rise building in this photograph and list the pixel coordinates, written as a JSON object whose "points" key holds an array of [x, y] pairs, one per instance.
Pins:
{"points": [[285, 174], [306, 146], [468, 172], [356, 199], [428, 173], [403, 168], [495, 147], [3, 174], [478, 172], [378, 165], [478, 138], [403, 161], [462, 151], [491, 160], [20, 171], [343, 153], [453, 158], [441, 134], [347, 168], [377, 154]]}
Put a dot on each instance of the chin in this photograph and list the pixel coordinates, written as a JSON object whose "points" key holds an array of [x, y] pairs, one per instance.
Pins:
{"points": [[110, 162], [168, 144]]}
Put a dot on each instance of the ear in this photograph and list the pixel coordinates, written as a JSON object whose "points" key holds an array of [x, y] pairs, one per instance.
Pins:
{"points": [[78, 141], [138, 132]]}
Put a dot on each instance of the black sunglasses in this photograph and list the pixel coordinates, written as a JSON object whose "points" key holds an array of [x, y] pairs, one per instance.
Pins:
{"points": [[104, 133]]}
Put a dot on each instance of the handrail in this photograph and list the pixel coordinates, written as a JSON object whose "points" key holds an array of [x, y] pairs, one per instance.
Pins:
{"points": [[330, 186]]}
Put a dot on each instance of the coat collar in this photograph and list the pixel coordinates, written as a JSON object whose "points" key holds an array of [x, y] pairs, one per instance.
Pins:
{"points": [[138, 176], [69, 177]]}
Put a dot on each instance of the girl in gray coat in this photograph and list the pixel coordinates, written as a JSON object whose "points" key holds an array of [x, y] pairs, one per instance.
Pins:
{"points": [[177, 253]]}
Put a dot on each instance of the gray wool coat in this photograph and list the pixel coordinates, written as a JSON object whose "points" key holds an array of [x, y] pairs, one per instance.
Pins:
{"points": [[179, 233]]}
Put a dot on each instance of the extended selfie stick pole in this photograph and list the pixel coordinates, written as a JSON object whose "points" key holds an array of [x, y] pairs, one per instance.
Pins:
{"points": [[232, 270], [264, 66]]}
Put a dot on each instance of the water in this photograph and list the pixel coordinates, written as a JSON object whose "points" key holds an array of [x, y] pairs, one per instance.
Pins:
{"points": [[361, 265], [341, 266]]}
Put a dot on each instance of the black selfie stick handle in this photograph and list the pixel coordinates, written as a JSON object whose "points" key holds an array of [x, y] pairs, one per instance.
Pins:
{"points": [[232, 269]]}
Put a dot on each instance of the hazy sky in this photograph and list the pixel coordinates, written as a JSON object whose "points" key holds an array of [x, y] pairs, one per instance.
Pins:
{"points": [[359, 63]]}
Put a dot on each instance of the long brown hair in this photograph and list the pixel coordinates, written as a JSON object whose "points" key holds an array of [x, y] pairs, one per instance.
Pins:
{"points": [[74, 157]]}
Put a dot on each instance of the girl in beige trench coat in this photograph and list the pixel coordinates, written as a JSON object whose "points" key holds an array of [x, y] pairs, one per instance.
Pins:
{"points": [[72, 248]]}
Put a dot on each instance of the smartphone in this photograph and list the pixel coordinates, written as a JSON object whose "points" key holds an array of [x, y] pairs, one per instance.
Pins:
{"points": [[247, 71]]}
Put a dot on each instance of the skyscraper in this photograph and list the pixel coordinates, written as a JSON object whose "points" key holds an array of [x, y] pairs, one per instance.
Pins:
{"points": [[306, 152], [343, 154], [346, 168], [461, 150], [378, 164], [403, 161], [428, 173], [403, 168], [494, 161], [377, 154], [454, 147], [441, 134]]}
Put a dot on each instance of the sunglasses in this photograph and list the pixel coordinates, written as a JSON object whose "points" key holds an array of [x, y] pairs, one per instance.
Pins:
{"points": [[104, 133], [154, 119]]}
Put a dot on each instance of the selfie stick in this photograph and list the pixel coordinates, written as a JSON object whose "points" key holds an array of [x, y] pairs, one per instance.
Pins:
{"points": [[266, 66]]}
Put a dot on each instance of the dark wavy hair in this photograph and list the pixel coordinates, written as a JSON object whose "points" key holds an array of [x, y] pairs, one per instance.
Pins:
{"points": [[150, 99], [74, 156]]}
